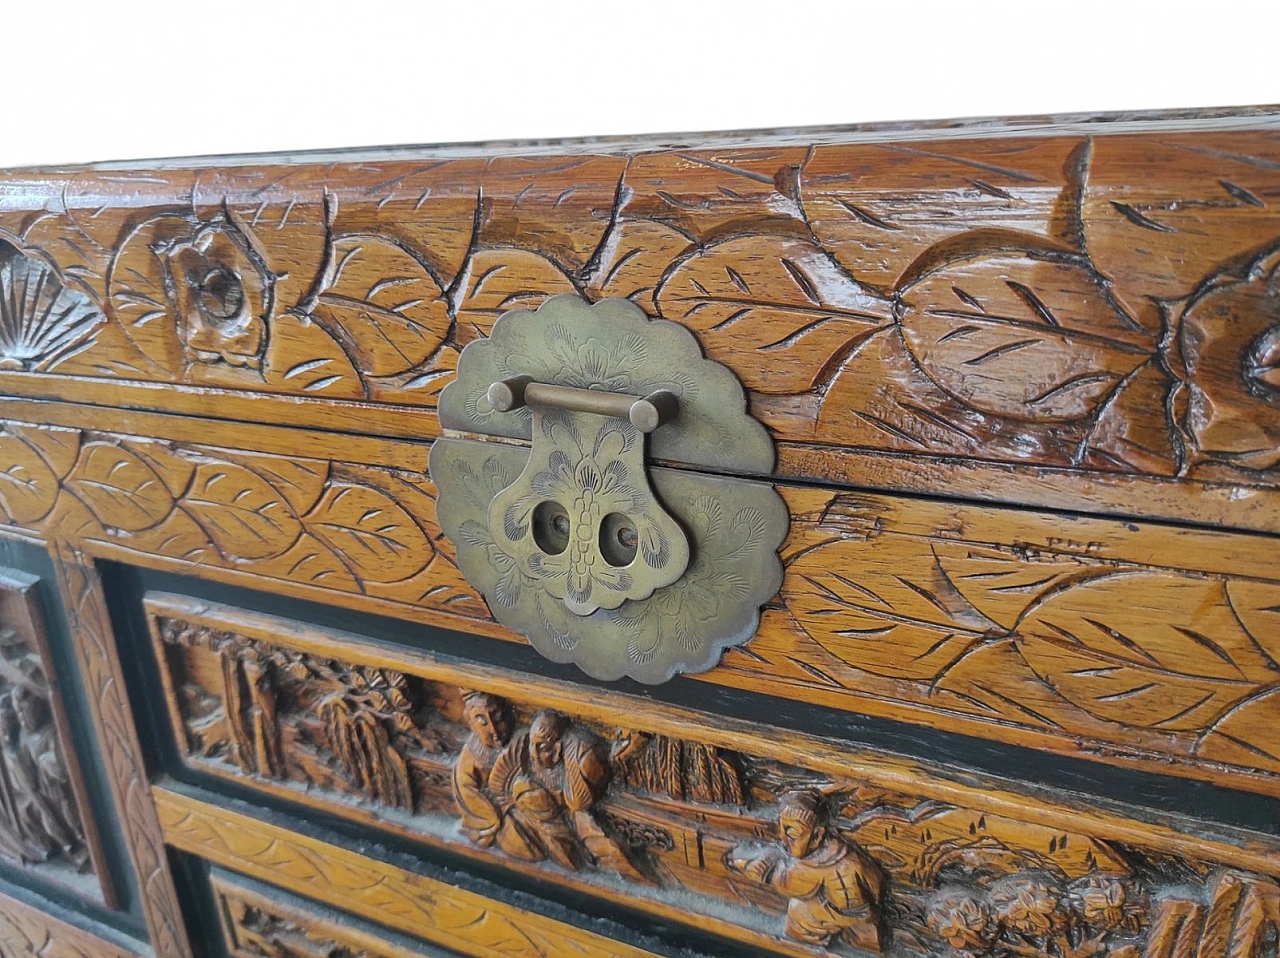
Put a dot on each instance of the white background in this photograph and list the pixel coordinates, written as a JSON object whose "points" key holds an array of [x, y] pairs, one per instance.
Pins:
{"points": [[89, 81]]}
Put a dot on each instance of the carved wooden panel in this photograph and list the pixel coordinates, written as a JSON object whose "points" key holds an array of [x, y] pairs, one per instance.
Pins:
{"points": [[774, 839], [45, 820], [265, 923], [28, 932], [1143, 643], [1036, 314], [461, 920], [112, 717]]}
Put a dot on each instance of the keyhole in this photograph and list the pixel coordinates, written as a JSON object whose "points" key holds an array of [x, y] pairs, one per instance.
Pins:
{"points": [[618, 540], [551, 527]]}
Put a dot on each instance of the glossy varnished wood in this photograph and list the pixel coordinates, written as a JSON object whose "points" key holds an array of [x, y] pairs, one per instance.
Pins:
{"points": [[1024, 381], [262, 922], [587, 789], [415, 904], [1131, 643], [1070, 317], [30, 932]]}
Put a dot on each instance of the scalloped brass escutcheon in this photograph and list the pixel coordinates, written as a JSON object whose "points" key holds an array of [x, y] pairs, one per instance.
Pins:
{"points": [[576, 541]]}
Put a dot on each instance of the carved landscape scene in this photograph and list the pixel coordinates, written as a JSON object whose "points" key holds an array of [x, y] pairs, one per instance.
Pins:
{"points": [[762, 849], [40, 816]]}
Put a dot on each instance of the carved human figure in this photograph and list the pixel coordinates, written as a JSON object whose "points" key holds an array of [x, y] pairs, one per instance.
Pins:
{"points": [[834, 886], [14, 841], [46, 799], [484, 819], [551, 777]]}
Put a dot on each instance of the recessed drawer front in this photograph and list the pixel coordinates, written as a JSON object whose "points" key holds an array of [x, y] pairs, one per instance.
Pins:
{"points": [[260, 921], [1136, 644], [437, 911], [1041, 313], [768, 838], [27, 931]]}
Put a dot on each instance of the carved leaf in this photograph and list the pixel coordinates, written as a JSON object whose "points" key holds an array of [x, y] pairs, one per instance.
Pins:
{"points": [[1257, 606], [887, 608], [877, 205], [1017, 336], [1149, 649], [28, 487], [137, 296], [1157, 226], [244, 516], [1247, 734], [121, 490], [311, 561], [303, 357], [1133, 432], [635, 256], [381, 305], [780, 312], [300, 481], [370, 533], [1002, 585], [496, 280]]}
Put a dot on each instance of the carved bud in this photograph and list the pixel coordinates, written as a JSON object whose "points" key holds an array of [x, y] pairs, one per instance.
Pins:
{"points": [[962, 920], [1028, 906], [1107, 903]]}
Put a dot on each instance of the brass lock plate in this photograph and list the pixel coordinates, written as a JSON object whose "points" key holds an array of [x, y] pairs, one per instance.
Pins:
{"points": [[576, 541]]}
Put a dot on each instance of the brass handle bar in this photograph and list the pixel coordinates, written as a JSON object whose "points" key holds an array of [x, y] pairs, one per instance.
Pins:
{"points": [[646, 413]]}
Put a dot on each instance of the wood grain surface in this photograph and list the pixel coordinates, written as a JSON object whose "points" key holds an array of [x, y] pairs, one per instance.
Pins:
{"points": [[46, 821], [258, 922], [1084, 320], [1144, 645], [675, 812], [117, 738], [30, 932], [415, 904]]}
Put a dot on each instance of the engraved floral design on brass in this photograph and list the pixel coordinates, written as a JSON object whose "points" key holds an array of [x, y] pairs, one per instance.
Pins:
{"points": [[593, 468], [600, 560]]}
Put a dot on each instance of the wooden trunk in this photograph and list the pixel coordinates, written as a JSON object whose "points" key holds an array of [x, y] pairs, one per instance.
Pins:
{"points": [[1018, 693]]}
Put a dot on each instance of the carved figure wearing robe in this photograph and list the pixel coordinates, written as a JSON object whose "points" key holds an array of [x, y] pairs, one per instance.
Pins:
{"points": [[484, 819], [42, 781], [834, 886], [15, 842], [551, 777]]}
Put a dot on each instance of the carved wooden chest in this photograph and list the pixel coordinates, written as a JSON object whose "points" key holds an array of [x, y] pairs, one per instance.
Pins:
{"points": [[831, 542]]}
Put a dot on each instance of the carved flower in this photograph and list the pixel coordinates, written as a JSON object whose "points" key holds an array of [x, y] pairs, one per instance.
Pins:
{"points": [[962, 920], [1230, 349], [1109, 904], [592, 365], [1028, 906], [221, 296]]}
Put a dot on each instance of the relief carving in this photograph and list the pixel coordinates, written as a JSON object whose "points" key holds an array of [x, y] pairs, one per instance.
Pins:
{"points": [[1009, 299], [832, 865], [1011, 632], [42, 320], [39, 814], [834, 889], [260, 933]]}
